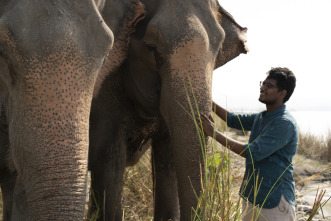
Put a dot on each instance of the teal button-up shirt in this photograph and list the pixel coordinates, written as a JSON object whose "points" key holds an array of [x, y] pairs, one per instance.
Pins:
{"points": [[272, 145]]}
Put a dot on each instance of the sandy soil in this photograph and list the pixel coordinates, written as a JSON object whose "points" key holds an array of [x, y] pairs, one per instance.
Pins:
{"points": [[306, 192]]}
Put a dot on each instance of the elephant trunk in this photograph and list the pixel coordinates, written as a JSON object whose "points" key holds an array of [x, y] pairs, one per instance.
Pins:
{"points": [[185, 143], [186, 86], [48, 130], [51, 148], [50, 71]]}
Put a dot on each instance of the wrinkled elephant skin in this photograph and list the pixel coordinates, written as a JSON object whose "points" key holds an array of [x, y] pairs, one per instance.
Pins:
{"points": [[175, 47], [50, 54]]}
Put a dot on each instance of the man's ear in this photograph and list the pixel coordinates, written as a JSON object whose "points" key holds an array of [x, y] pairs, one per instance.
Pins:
{"points": [[283, 93]]}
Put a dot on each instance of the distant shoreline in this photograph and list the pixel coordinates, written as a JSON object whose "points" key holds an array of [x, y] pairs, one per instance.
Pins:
{"points": [[316, 122]]}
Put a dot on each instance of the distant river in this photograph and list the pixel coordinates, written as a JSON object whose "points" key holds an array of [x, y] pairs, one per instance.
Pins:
{"points": [[315, 122]]}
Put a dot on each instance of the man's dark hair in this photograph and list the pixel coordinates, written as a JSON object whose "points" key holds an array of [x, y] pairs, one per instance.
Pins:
{"points": [[285, 80]]}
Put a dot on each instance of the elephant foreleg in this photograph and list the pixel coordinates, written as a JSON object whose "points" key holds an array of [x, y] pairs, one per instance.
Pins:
{"points": [[165, 181], [107, 181], [20, 205], [7, 189]]}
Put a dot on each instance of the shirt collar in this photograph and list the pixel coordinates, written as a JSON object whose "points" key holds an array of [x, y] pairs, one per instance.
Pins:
{"points": [[274, 112]]}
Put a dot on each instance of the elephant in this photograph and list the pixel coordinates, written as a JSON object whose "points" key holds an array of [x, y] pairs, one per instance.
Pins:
{"points": [[174, 48], [50, 56]]}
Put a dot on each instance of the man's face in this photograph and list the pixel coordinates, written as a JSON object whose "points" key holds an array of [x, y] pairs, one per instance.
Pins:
{"points": [[270, 93]]}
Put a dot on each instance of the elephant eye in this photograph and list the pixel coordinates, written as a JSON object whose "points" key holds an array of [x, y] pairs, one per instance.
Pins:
{"points": [[157, 57]]}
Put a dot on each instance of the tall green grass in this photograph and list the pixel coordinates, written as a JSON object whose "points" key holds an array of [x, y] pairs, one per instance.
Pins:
{"points": [[222, 176], [219, 200]]}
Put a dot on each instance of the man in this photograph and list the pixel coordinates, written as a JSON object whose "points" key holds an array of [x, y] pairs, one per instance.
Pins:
{"points": [[268, 183]]}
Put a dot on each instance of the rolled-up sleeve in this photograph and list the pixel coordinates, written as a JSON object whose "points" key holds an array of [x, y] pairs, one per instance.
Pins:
{"points": [[240, 121], [276, 136]]}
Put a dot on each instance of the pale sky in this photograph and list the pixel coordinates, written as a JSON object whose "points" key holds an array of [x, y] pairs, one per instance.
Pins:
{"points": [[281, 33]]}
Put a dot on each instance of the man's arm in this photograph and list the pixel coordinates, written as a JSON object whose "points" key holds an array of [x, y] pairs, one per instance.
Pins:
{"points": [[220, 111], [281, 133], [233, 145]]}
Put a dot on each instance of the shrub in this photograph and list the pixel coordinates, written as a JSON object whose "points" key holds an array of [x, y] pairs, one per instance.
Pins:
{"points": [[315, 147]]}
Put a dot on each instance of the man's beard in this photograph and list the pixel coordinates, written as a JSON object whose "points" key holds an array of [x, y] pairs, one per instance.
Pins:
{"points": [[267, 102]]}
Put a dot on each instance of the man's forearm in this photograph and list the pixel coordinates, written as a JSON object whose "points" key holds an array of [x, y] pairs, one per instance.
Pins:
{"points": [[233, 145], [220, 111]]}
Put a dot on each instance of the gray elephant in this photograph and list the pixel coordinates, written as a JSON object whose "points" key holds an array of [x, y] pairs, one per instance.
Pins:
{"points": [[177, 43], [50, 55]]}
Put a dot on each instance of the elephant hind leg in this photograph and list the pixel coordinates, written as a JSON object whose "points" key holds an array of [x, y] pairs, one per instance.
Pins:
{"points": [[165, 180]]}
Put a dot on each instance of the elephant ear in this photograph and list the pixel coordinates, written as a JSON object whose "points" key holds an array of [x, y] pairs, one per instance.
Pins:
{"points": [[235, 38]]}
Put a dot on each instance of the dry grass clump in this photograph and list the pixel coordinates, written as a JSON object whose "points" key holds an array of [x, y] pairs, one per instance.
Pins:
{"points": [[315, 147], [137, 201]]}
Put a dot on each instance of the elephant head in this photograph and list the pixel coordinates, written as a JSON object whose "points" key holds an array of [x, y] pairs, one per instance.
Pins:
{"points": [[50, 54], [172, 56]]}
